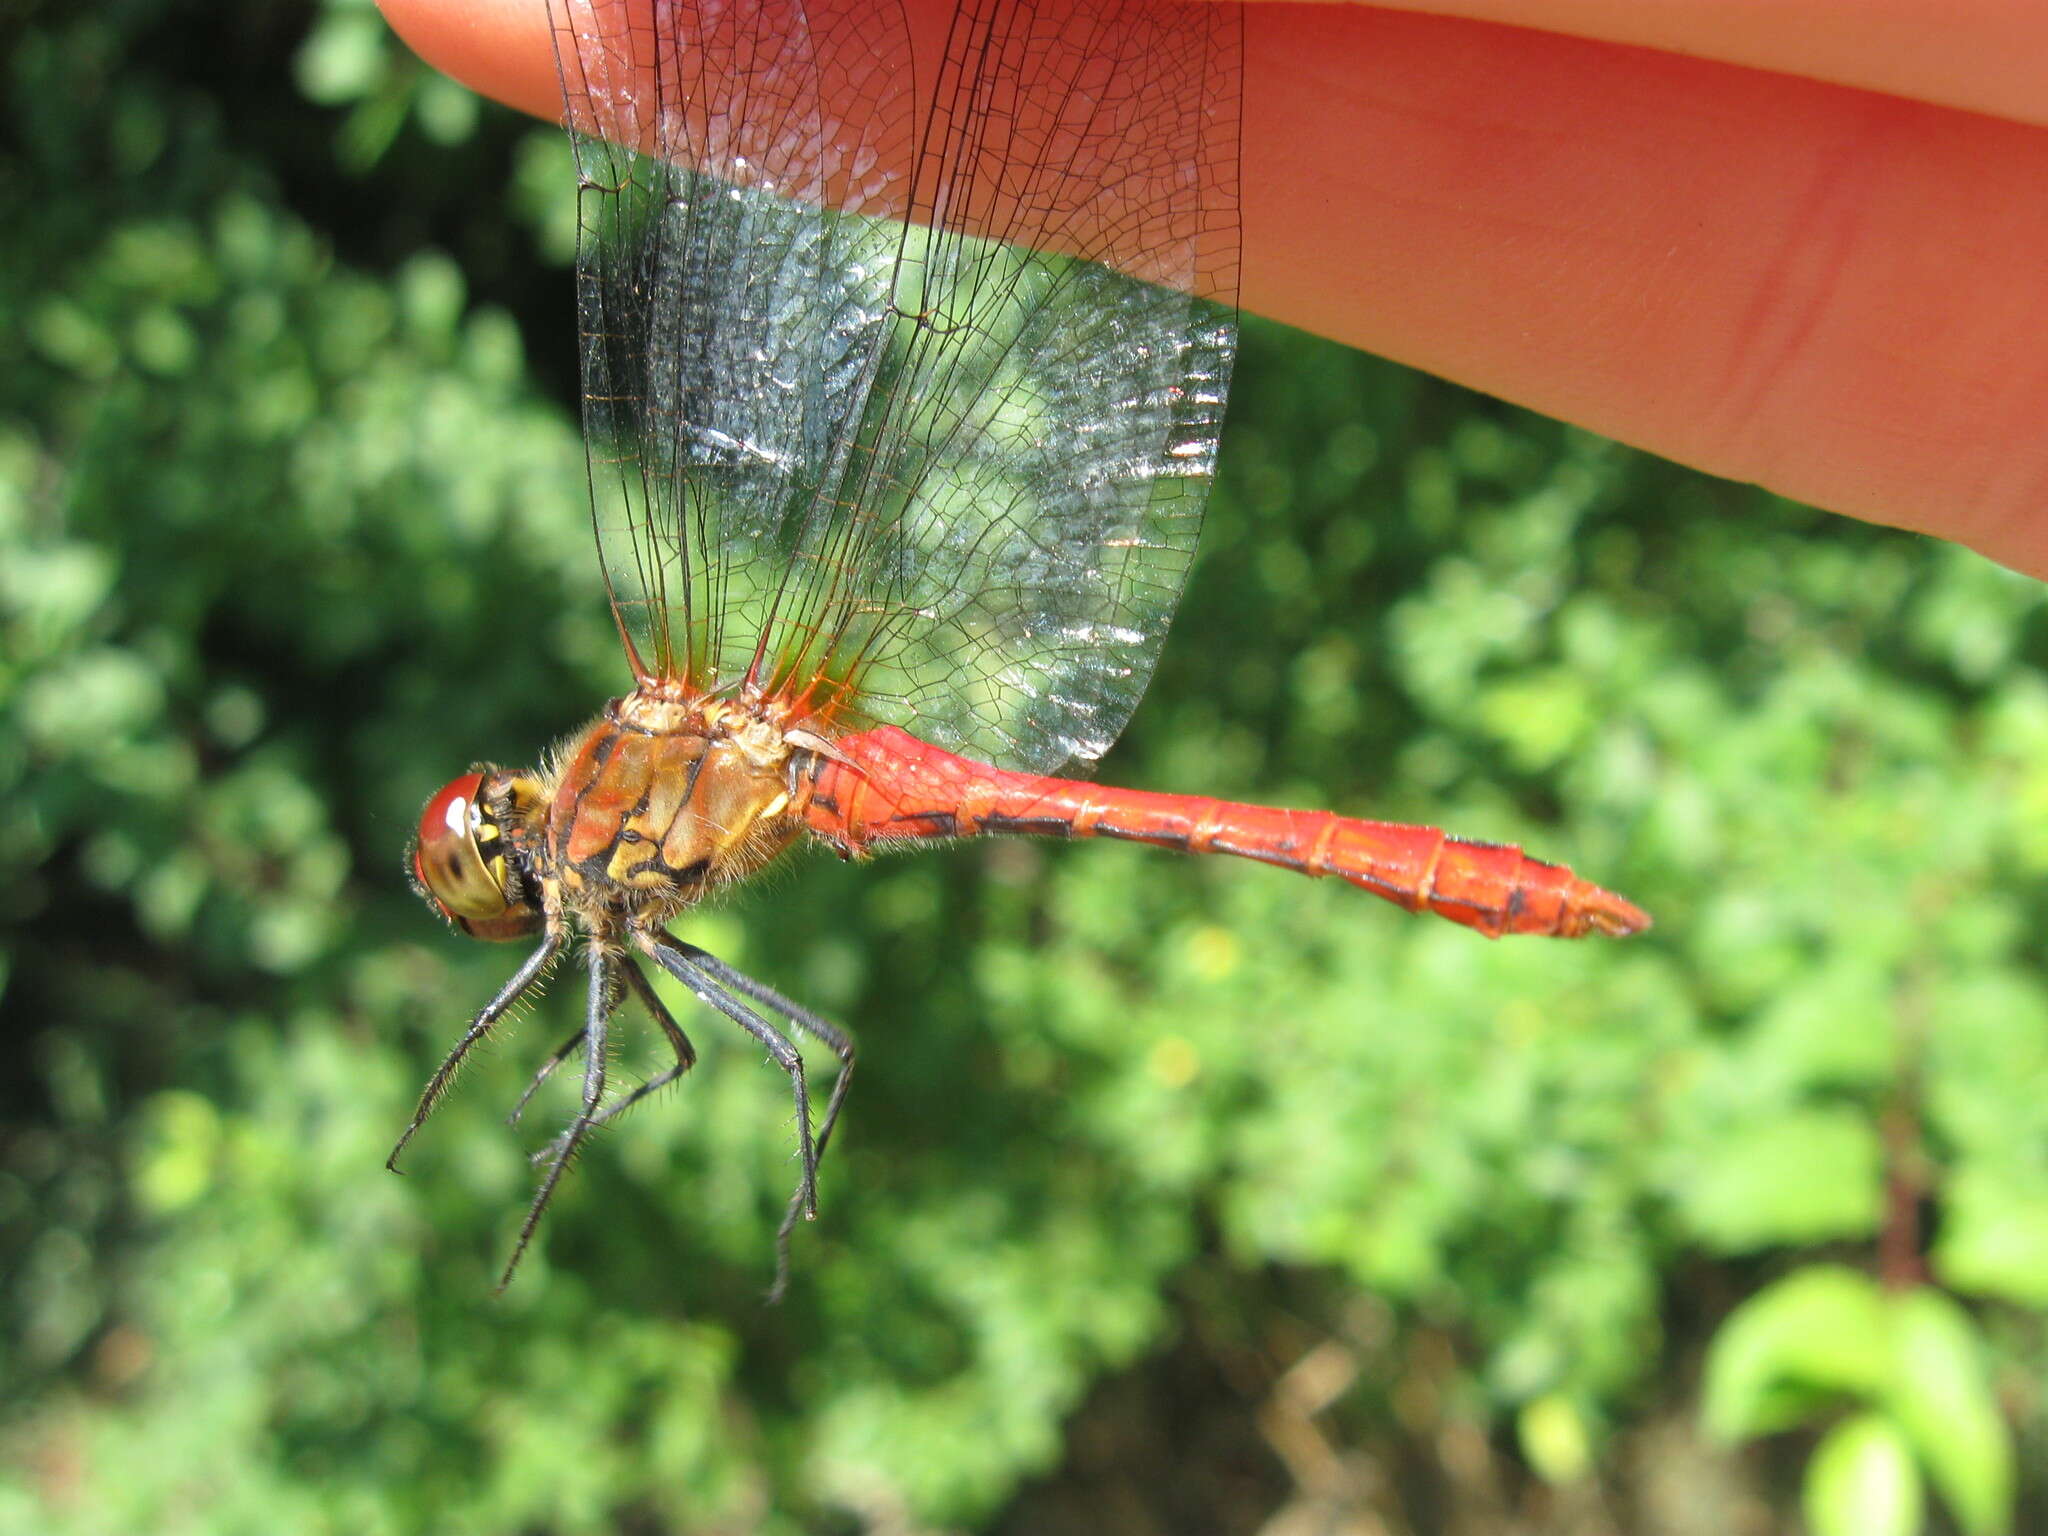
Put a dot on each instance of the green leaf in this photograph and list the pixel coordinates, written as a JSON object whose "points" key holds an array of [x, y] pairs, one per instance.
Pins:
{"points": [[343, 58], [1812, 1338], [1862, 1481], [1994, 1237], [1554, 1438], [1939, 1394], [1803, 1177], [1538, 718], [176, 1151], [1825, 1028]]}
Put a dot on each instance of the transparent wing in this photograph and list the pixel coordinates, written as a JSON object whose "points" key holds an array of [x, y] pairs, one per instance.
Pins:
{"points": [[879, 410]]}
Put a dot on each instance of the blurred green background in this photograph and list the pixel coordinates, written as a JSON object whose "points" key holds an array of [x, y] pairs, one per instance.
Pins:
{"points": [[1176, 1195]]}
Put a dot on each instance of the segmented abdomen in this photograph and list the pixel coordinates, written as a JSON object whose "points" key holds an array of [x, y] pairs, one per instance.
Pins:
{"points": [[890, 785]]}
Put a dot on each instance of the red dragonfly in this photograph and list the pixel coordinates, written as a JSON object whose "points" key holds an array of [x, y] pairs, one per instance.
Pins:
{"points": [[903, 370]]}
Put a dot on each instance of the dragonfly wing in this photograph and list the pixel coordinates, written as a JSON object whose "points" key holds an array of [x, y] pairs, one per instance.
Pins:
{"points": [[727, 313], [945, 473]]}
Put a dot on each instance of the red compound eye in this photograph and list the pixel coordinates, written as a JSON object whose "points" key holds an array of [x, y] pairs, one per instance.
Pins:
{"points": [[458, 863]]}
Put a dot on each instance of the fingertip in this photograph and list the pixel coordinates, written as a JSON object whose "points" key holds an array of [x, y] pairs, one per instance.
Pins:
{"points": [[500, 48]]}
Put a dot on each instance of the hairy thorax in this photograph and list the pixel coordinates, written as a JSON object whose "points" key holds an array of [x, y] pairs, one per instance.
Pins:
{"points": [[665, 797]]}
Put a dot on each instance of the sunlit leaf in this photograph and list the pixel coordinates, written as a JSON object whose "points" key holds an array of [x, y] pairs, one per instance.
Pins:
{"points": [[1816, 1337], [1939, 1394], [1862, 1481], [1554, 1439], [1994, 1235], [1799, 1177]]}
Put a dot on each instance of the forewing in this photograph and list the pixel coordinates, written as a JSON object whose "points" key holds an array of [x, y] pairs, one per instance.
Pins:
{"points": [[946, 474], [728, 315]]}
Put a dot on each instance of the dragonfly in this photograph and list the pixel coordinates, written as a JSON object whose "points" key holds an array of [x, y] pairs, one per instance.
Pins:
{"points": [[906, 334]]}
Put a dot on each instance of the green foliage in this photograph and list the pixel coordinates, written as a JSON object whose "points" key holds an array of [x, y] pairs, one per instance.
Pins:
{"points": [[1937, 1392], [1815, 1336], [1825, 1336], [291, 529], [1863, 1482]]}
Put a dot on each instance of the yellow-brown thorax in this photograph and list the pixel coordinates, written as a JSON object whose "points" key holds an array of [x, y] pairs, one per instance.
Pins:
{"points": [[664, 798]]}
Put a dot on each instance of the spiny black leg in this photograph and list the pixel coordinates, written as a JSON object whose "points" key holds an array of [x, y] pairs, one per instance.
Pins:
{"points": [[672, 958], [494, 1010], [686, 1054], [561, 1054], [567, 1048], [837, 1040], [595, 1022], [688, 969]]}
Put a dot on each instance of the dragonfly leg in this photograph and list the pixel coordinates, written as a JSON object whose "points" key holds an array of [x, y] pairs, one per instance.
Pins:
{"points": [[683, 962], [837, 1040], [596, 1025], [624, 974], [527, 974], [678, 1042], [560, 1054], [685, 1053]]}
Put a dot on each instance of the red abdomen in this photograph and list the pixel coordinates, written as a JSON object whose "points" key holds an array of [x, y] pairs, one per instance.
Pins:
{"points": [[891, 785]]}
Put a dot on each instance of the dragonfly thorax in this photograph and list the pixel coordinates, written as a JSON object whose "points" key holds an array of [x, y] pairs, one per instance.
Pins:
{"points": [[661, 800]]}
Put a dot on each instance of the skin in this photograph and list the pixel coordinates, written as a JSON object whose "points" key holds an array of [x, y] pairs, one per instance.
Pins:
{"points": [[1799, 244]]}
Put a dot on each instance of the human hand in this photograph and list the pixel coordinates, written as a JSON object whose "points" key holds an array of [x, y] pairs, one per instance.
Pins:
{"points": [[1839, 290]]}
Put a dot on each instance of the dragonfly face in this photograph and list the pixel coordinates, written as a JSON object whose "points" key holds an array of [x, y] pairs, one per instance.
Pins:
{"points": [[461, 864]]}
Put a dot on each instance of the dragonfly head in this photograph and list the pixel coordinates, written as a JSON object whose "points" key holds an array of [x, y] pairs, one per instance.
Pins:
{"points": [[459, 863]]}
